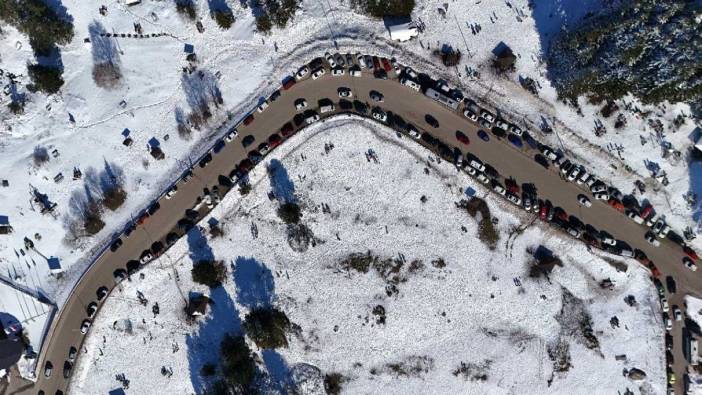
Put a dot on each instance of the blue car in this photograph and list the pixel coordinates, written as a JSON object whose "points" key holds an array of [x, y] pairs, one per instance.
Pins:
{"points": [[515, 140], [483, 136]]}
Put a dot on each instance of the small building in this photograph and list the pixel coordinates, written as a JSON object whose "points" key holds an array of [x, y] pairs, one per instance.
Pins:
{"points": [[441, 98], [54, 265], [403, 32], [132, 2], [188, 48], [504, 58]]}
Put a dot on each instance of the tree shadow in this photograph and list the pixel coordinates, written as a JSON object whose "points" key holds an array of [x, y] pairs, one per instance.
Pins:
{"points": [[197, 244], [694, 170], [60, 10], [111, 178], [201, 89], [104, 49], [203, 345], [278, 370], [218, 5], [254, 283], [282, 186], [554, 16]]}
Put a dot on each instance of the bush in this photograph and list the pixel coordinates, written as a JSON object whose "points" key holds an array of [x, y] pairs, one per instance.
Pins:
{"points": [[16, 106], [224, 18], [244, 188], [289, 213], [106, 75], [93, 223], [381, 8], [208, 369], [333, 382], [238, 366], [45, 78], [187, 8], [210, 273], [267, 327], [114, 197], [263, 24], [40, 155]]}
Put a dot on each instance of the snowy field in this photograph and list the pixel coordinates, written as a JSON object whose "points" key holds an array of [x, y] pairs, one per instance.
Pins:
{"points": [[481, 309], [86, 124]]}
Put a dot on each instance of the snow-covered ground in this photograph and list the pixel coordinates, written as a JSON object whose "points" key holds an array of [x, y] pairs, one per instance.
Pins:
{"points": [[481, 310], [85, 123]]}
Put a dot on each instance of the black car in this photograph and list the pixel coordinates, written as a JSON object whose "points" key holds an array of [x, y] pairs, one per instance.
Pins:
{"points": [[670, 284], [67, 368], [248, 140], [219, 145], [345, 104], [498, 132], [115, 246], [275, 95], [540, 159], [185, 224], [429, 139], [360, 107], [101, 293], [129, 229], [205, 160], [154, 208], [156, 247], [172, 238], [431, 121], [132, 266], [120, 275], [668, 341]]}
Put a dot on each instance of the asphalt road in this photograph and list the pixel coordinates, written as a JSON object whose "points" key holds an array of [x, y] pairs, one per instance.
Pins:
{"points": [[410, 105]]}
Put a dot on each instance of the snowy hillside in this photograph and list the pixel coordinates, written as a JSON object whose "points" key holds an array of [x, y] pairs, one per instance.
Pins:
{"points": [[459, 317]]}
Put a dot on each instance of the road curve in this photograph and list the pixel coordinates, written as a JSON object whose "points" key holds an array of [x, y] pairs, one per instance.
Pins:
{"points": [[412, 107]]}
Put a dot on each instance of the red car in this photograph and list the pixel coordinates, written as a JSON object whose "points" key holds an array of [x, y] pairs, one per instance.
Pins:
{"points": [[460, 136], [245, 165], [544, 212], [287, 129], [654, 270], [376, 63], [616, 204], [646, 212], [512, 186], [386, 65], [248, 119], [690, 252], [289, 83], [274, 140]]}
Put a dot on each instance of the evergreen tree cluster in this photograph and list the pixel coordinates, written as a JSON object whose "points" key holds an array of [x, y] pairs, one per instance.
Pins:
{"points": [[382, 8], [36, 19], [650, 48], [275, 12]]}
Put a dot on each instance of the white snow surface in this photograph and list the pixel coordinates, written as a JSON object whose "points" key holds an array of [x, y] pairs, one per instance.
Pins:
{"points": [[470, 311]]}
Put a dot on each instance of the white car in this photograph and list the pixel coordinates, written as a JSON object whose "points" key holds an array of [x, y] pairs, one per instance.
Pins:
{"points": [[48, 368], [262, 107], [330, 59], [664, 304], [664, 232], [582, 199], [660, 227], [471, 115], [487, 115], [574, 232], [583, 177], [171, 192], [573, 173], [413, 133], [482, 178], [361, 62], [651, 239], [411, 83], [318, 73], [338, 72], [601, 196], [231, 135], [689, 264], [677, 313], [304, 70], [354, 72], [379, 115], [597, 188], [634, 216], [411, 73], [471, 171], [300, 104], [514, 199], [85, 326], [668, 322], [499, 189], [502, 124], [608, 240], [516, 130], [339, 60], [312, 119], [146, 257], [477, 165], [327, 108], [345, 92], [549, 154], [591, 181]]}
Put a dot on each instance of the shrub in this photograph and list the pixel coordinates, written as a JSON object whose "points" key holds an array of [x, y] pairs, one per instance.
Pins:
{"points": [[40, 155], [45, 78], [289, 213], [381, 8], [224, 18], [16, 106], [106, 75], [208, 369], [263, 24], [186, 8], [244, 188], [93, 222], [267, 327], [210, 273], [238, 366], [114, 197], [333, 382]]}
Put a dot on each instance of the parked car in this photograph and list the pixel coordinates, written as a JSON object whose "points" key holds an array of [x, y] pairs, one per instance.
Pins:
{"points": [[337, 72], [376, 96], [67, 369], [379, 114], [171, 191], [355, 71], [302, 72], [482, 178], [516, 130], [502, 124], [431, 121], [598, 188], [540, 159], [514, 199], [249, 118], [85, 326], [651, 239], [677, 313], [205, 160], [91, 309], [483, 136], [330, 59], [72, 353], [689, 264], [470, 115], [116, 244], [262, 107], [487, 115], [668, 327], [410, 83], [101, 293], [145, 256], [601, 196], [300, 104], [312, 118], [549, 153], [318, 73], [634, 216], [497, 187], [345, 92], [460, 136], [248, 140], [477, 165], [583, 200], [515, 140], [48, 369], [670, 284], [413, 132]]}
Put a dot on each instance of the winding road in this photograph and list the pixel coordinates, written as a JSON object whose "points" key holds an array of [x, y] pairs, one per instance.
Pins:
{"points": [[412, 106]]}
